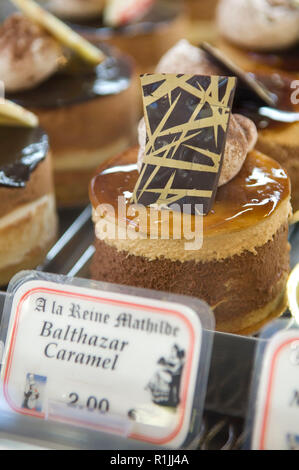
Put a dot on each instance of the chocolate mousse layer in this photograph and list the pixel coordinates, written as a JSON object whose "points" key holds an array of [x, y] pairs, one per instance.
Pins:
{"points": [[234, 287]]}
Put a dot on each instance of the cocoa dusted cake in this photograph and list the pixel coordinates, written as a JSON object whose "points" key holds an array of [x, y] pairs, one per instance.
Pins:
{"points": [[263, 38], [143, 29], [242, 267], [89, 111], [28, 224]]}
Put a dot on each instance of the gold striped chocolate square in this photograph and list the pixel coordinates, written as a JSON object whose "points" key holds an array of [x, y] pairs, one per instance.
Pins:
{"points": [[187, 119]]}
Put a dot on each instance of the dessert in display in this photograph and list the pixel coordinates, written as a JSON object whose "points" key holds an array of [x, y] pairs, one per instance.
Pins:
{"points": [[28, 225], [144, 29], [84, 98], [262, 37], [242, 266]]}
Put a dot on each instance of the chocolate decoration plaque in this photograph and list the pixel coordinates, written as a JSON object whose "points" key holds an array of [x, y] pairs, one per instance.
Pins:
{"points": [[187, 118], [247, 80]]}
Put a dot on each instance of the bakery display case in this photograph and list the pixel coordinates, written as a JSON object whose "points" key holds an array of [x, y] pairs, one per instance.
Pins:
{"points": [[148, 265]]}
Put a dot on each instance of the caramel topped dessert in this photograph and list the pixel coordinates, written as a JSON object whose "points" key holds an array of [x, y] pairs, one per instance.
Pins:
{"points": [[253, 195]]}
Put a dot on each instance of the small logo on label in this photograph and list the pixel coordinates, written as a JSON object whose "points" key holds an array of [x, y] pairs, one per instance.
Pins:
{"points": [[293, 441], [165, 385], [34, 392]]}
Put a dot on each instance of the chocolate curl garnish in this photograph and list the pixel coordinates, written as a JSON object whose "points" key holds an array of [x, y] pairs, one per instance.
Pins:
{"points": [[246, 79], [187, 119]]}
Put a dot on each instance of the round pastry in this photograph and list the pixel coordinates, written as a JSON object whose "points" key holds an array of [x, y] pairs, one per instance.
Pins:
{"points": [[145, 39], [262, 37], [241, 269], [28, 224], [89, 112]]}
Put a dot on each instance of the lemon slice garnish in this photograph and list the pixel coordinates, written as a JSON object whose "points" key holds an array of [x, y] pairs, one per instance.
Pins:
{"points": [[13, 114], [61, 31], [293, 292]]}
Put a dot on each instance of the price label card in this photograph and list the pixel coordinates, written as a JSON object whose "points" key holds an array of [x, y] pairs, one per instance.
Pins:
{"points": [[276, 416], [126, 364]]}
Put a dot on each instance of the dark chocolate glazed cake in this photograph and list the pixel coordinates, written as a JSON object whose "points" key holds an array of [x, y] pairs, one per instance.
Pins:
{"points": [[28, 224]]}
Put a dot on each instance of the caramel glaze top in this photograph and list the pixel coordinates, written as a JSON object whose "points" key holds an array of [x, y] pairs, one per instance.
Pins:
{"points": [[252, 195]]}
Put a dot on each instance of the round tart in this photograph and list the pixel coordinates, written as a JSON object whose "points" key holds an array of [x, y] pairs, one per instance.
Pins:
{"points": [[146, 40], [28, 224], [241, 269]]}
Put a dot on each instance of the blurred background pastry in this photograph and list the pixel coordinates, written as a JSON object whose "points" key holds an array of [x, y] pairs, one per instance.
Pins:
{"points": [[242, 268], [89, 111], [201, 16], [143, 29], [28, 224], [262, 37]]}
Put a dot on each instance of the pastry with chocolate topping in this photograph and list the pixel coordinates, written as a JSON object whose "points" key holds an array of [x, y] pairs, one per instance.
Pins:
{"points": [[242, 267], [28, 223], [87, 105], [262, 37], [143, 29]]}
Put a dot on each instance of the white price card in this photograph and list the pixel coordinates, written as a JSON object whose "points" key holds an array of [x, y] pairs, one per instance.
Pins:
{"points": [[102, 359], [276, 417]]}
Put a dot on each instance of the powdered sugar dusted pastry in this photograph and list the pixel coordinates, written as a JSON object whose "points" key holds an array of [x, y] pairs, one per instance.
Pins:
{"points": [[28, 54], [259, 24]]}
